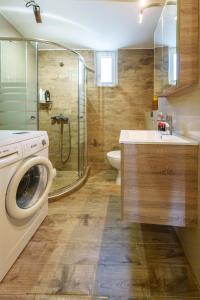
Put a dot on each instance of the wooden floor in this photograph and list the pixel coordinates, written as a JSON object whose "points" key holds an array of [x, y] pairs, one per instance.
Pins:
{"points": [[49, 297], [83, 249]]}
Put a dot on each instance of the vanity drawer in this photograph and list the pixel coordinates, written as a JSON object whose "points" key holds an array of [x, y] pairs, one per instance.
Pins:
{"points": [[160, 184]]}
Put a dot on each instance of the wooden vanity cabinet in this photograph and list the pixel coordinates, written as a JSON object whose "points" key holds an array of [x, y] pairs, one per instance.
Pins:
{"points": [[176, 47], [160, 184]]}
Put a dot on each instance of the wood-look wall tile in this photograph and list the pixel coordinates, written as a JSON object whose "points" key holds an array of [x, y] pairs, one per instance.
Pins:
{"points": [[62, 82], [122, 107]]}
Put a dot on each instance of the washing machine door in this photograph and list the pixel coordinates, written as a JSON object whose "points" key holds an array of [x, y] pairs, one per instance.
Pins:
{"points": [[29, 187]]}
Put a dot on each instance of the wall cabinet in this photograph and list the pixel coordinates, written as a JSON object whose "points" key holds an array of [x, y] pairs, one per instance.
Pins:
{"points": [[176, 46]]}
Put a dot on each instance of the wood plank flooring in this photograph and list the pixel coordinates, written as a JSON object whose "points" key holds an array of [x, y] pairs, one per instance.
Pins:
{"points": [[83, 251], [49, 297]]}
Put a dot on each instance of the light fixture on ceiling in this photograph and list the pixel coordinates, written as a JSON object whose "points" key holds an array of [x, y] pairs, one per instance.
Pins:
{"points": [[36, 10], [140, 18], [144, 4]]}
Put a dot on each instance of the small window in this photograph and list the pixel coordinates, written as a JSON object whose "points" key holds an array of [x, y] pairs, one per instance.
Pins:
{"points": [[106, 68]]}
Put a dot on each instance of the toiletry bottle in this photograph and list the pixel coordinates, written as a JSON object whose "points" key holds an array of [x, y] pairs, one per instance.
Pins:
{"points": [[161, 116], [161, 126], [47, 96], [161, 122], [155, 103]]}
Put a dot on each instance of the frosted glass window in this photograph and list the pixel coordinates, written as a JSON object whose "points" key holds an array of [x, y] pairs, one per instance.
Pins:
{"points": [[106, 68], [13, 62], [18, 85]]}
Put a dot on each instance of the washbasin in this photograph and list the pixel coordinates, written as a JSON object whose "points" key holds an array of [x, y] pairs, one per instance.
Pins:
{"points": [[152, 137]]}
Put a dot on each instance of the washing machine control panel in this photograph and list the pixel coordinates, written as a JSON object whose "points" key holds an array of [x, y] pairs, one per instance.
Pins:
{"points": [[10, 154], [35, 145]]}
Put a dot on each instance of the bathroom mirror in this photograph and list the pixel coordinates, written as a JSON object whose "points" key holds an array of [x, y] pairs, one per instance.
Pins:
{"points": [[175, 38], [165, 47]]}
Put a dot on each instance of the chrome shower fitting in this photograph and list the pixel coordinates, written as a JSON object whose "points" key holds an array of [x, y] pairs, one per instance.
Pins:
{"points": [[36, 10], [62, 120]]}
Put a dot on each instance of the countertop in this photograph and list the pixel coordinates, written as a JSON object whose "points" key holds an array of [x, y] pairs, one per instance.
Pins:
{"points": [[153, 137]]}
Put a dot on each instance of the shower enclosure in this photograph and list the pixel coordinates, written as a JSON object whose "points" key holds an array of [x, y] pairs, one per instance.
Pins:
{"points": [[43, 87]]}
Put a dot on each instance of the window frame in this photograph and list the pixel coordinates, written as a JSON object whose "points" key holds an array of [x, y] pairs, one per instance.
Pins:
{"points": [[114, 56]]}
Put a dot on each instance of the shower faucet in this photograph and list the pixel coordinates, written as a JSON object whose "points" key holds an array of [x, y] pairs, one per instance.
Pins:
{"points": [[62, 120], [59, 119]]}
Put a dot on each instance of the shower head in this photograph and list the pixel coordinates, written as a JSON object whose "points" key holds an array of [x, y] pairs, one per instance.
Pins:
{"points": [[36, 10]]}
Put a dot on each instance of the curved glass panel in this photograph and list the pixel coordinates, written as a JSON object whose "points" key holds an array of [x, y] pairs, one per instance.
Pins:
{"points": [[82, 136], [58, 83], [42, 87]]}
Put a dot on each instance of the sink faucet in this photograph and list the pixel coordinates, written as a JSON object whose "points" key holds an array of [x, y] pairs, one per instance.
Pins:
{"points": [[169, 121]]}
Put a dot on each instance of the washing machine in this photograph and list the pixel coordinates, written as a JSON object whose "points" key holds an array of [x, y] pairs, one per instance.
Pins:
{"points": [[26, 176]]}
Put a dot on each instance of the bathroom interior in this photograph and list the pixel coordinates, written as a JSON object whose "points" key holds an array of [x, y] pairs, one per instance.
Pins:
{"points": [[115, 86]]}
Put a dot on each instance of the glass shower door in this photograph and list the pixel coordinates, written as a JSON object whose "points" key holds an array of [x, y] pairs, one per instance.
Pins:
{"points": [[82, 115], [18, 85], [27, 67]]}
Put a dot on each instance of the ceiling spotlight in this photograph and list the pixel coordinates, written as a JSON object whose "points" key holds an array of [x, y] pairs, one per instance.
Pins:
{"points": [[140, 17], [36, 10], [145, 5]]}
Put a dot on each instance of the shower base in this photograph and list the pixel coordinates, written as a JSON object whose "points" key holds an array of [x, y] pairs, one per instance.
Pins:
{"points": [[63, 179]]}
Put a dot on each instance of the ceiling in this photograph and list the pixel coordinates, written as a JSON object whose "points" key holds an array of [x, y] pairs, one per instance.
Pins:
{"points": [[85, 24]]}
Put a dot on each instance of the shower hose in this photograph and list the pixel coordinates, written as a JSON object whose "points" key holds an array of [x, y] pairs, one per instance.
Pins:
{"points": [[65, 160]]}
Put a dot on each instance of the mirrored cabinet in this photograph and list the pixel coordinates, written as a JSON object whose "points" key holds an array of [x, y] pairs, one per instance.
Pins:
{"points": [[176, 47]]}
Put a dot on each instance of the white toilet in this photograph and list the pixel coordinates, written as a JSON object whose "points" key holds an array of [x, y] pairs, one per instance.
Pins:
{"points": [[114, 158]]}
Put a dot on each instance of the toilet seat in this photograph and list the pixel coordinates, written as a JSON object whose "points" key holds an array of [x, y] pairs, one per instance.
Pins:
{"points": [[114, 154], [114, 158]]}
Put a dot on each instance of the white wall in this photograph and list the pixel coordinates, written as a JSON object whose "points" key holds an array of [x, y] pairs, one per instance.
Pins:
{"points": [[186, 115], [6, 29], [185, 110]]}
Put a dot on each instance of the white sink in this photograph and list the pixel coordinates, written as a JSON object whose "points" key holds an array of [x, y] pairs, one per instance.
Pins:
{"points": [[152, 137]]}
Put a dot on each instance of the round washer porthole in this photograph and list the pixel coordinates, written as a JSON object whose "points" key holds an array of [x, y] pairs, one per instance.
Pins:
{"points": [[29, 187]]}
